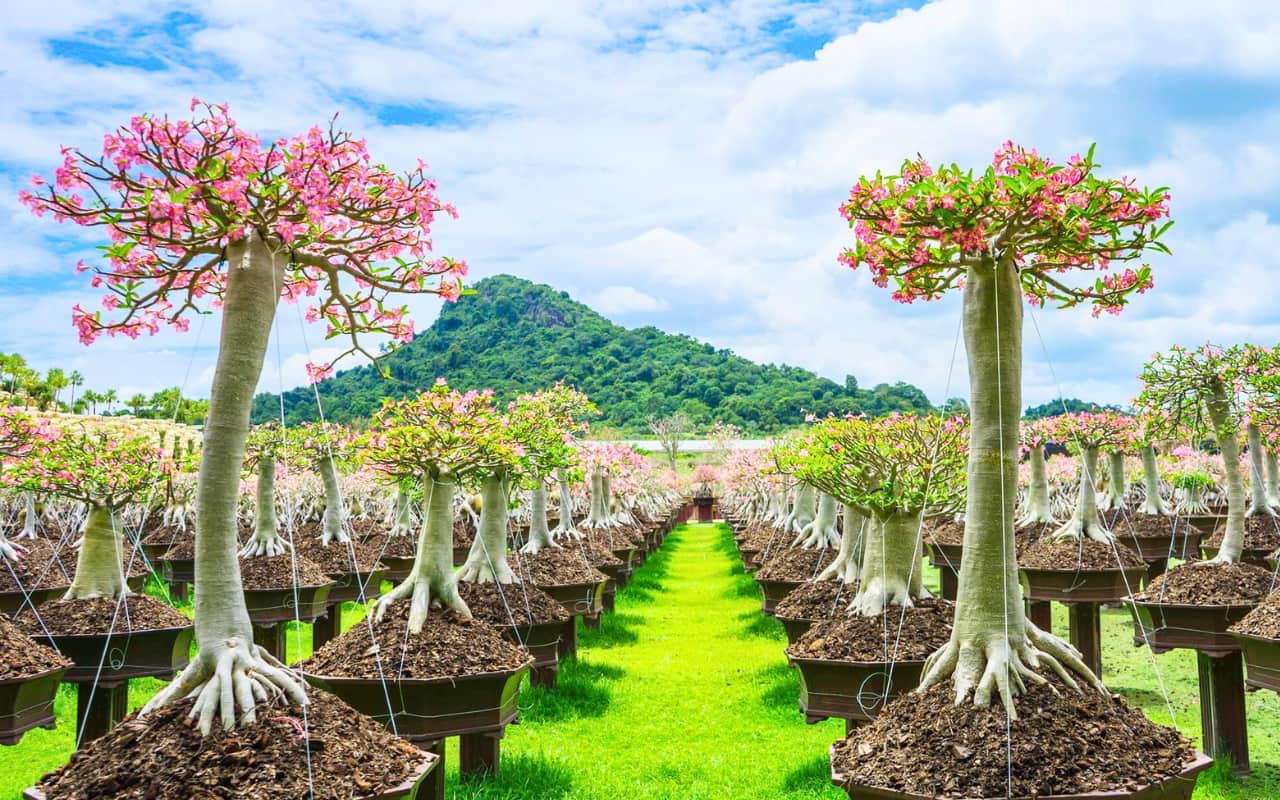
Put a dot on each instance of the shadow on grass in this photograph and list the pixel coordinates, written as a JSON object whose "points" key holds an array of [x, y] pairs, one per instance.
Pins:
{"points": [[616, 629], [581, 690], [522, 776], [1220, 783], [811, 777], [780, 688], [742, 586], [755, 623]]}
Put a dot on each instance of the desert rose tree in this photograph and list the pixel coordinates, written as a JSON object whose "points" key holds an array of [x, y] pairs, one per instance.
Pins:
{"points": [[1023, 228], [1039, 510], [263, 445], [324, 446], [202, 215], [1088, 432], [19, 432]]}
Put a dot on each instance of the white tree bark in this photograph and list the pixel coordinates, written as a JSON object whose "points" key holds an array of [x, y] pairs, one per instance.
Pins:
{"points": [[266, 539], [1085, 521], [100, 566], [334, 514], [1153, 503], [487, 560]]}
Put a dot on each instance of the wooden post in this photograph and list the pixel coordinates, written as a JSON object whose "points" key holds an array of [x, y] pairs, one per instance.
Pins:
{"points": [[569, 639], [479, 753], [1086, 633], [433, 787], [543, 676], [100, 709], [950, 583], [327, 627], [1222, 714], [1040, 612]]}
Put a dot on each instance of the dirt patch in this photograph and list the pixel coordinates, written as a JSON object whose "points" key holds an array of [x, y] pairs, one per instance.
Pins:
{"points": [[1083, 555], [950, 532], [94, 616], [43, 564], [764, 537], [1263, 621], [1151, 526], [1064, 743], [556, 567], [899, 634], [335, 559], [1261, 533], [449, 646], [511, 603], [815, 600], [1202, 584], [277, 572], [795, 564], [21, 656], [616, 538], [341, 755], [597, 552], [392, 546]]}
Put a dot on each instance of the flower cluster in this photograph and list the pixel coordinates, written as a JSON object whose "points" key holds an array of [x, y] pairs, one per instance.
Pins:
{"points": [[92, 467]]}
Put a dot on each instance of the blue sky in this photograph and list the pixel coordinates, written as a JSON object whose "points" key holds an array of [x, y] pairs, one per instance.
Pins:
{"points": [[680, 165]]}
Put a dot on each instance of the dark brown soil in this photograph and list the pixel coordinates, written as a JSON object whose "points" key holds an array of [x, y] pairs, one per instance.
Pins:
{"points": [[449, 646], [335, 559], [1066, 743], [924, 628], [761, 537], [277, 572], [616, 538], [1083, 555], [183, 548], [951, 532], [1201, 584], [814, 600], [1149, 526], [42, 565], [464, 532], [1261, 533], [392, 546], [341, 755], [1263, 621], [20, 655], [516, 603], [94, 616], [556, 567], [598, 553], [795, 564]]}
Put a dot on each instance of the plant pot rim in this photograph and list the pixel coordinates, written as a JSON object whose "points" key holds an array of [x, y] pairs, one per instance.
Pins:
{"points": [[112, 634], [568, 585], [1142, 570], [1190, 769], [902, 662], [33, 676], [1253, 637], [1201, 606], [424, 681], [247, 590]]}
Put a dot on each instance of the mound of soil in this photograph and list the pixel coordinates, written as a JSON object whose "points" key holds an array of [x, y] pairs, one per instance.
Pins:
{"points": [[556, 567], [1083, 555], [20, 655], [449, 646], [1065, 743], [392, 546], [1263, 621], [95, 615], [951, 532], [760, 537], [277, 572], [335, 559], [616, 538], [1201, 584], [1261, 533], [597, 552], [511, 603], [341, 755], [1150, 526], [814, 600], [41, 565], [795, 564], [925, 627]]}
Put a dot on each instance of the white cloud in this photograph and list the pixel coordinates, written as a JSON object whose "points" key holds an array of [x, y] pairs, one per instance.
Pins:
{"points": [[623, 300]]}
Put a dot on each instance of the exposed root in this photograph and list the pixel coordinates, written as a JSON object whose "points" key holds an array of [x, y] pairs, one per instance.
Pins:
{"points": [[1074, 529], [402, 528], [815, 536], [983, 668], [9, 550], [234, 675], [1034, 518], [568, 532], [265, 545], [329, 537], [533, 546], [422, 592], [844, 568], [480, 570], [1263, 510]]}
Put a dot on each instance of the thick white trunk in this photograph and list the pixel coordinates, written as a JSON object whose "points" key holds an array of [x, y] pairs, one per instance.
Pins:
{"points": [[1225, 430], [333, 511], [848, 561], [1259, 505], [1113, 497], [821, 532], [1039, 510], [487, 560], [539, 535], [1153, 503], [890, 565], [403, 518], [266, 539], [100, 567], [432, 576], [1085, 521]]}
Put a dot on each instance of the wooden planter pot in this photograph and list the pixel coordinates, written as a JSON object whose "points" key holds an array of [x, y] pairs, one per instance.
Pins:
{"points": [[849, 690], [27, 702], [1262, 660]]}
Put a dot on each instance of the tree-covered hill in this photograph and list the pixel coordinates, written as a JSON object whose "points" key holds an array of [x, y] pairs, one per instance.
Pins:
{"points": [[514, 336]]}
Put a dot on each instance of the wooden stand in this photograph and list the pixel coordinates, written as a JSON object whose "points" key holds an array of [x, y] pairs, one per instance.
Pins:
{"points": [[433, 786], [479, 753], [327, 627], [100, 709], [271, 638], [1086, 633], [543, 676], [950, 583], [1222, 713], [1040, 613], [569, 639]]}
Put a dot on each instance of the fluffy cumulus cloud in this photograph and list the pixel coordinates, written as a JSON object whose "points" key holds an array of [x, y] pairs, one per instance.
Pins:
{"points": [[681, 165]]}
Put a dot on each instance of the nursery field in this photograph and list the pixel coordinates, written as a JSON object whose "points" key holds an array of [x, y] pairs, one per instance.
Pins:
{"points": [[684, 692]]}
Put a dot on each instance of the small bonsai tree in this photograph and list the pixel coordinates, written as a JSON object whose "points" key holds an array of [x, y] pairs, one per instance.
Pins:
{"points": [[19, 433], [201, 214], [1152, 501], [324, 446], [261, 448], [1020, 229], [1089, 431], [1035, 435]]}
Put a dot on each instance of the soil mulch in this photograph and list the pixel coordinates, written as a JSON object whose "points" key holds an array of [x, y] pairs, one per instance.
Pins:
{"points": [[449, 646], [335, 559], [43, 564], [763, 537], [925, 627], [1263, 621], [599, 554], [1149, 526], [1085, 555], [1201, 584], [21, 656], [814, 600], [464, 532], [511, 603], [951, 532], [616, 538], [1261, 533], [1068, 743], [342, 755], [562, 566], [392, 546], [95, 615], [795, 564], [277, 572]]}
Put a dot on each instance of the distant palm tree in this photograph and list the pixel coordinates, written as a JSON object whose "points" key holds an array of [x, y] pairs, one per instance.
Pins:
{"points": [[74, 380], [136, 403], [92, 398], [110, 398]]}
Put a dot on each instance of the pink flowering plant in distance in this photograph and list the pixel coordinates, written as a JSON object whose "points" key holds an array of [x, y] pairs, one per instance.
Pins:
{"points": [[324, 447], [200, 214], [19, 433], [1086, 432], [1025, 227]]}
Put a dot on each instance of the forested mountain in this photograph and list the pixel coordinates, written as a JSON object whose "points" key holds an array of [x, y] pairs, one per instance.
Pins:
{"points": [[1070, 405], [514, 336]]}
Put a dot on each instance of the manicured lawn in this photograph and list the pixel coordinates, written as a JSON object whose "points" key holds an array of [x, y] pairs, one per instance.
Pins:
{"points": [[685, 693]]}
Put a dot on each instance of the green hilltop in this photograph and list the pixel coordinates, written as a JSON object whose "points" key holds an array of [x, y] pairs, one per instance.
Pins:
{"points": [[514, 336]]}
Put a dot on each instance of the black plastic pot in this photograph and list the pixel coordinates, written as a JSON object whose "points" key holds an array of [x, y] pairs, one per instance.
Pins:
{"points": [[1262, 658], [1082, 586], [129, 654], [1167, 626], [430, 710], [305, 603], [27, 702], [851, 690], [1179, 787]]}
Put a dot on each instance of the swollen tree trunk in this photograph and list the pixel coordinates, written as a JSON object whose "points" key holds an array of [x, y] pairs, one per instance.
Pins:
{"points": [[432, 576], [597, 515], [803, 513], [333, 516], [29, 516], [1113, 498], [1269, 461], [1153, 503], [100, 567], [1085, 520], [403, 524], [848, 561], [821, 532], [890, 565], [566, 526], [266, 539], [539, 536], [487, 560], [993, 648], [1039, 509], [1258, 502], [229, 666], [1233, 540]]}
